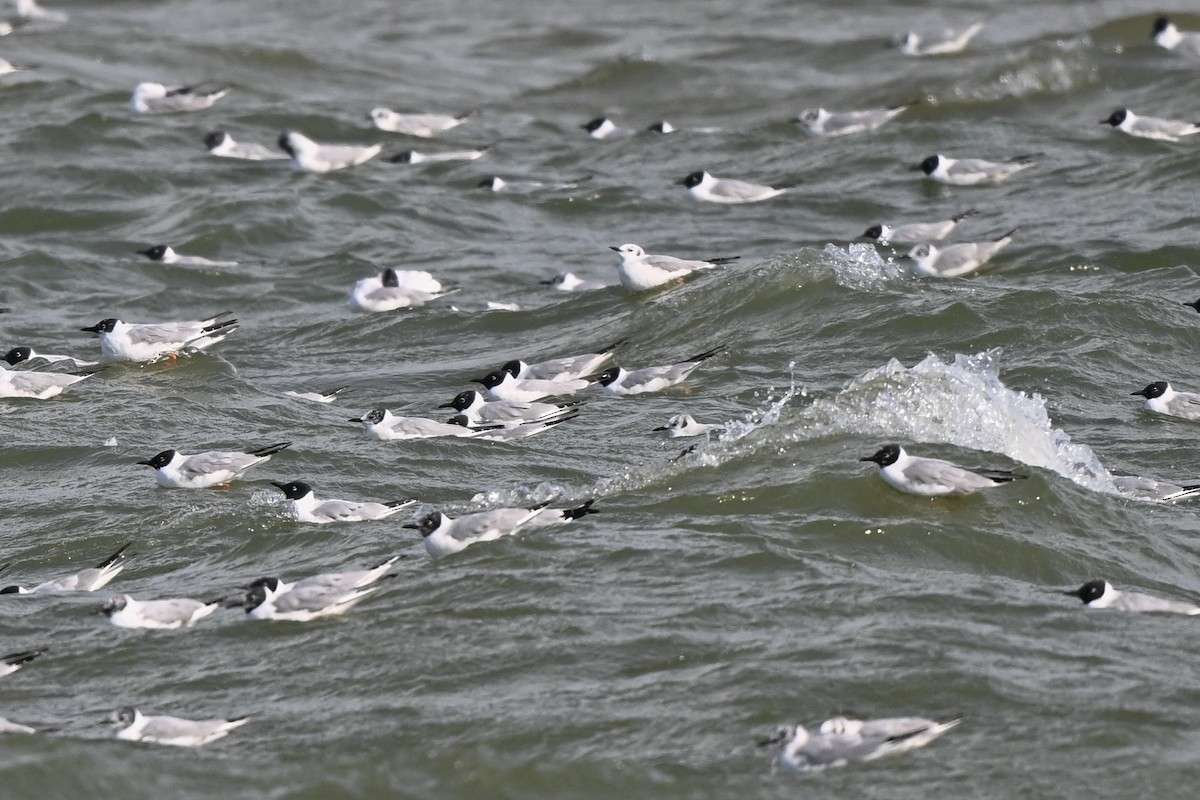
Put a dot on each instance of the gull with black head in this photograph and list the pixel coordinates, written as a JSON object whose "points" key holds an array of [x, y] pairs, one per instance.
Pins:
{"points": [[1162, 399], [703, 186], [620, 382], [176, 470], [1163, 130], [445, 535], [933, 477], [481, 411], [1101, 594], [163, 254], [972, 171], [916, 232], [150, 341], [309, 156], [220, 143], [381, 424], [305, 506], [88, 580]]}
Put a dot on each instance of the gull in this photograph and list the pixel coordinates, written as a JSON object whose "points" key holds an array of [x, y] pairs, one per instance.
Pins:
{"points": [[175, 470], [305, 506], [604, 128], [14, 661], [506, 412], [88, 580], [1101, 594], [620, 382], [155, 98], [639, 271], [911, 44], [137, 341], [422, 125], [567, 368], [1167, 36], [220, 143], [1162, 399], [7, 68], [820, 122], [381, 424], [171, 730], [955, 260], [303, 602], [662, 126], [125, 612], [13, 727], [933, 477], [916, 232], [394, 289], [165, 255], [1150, 489], [1163, 130], [505, 385], [413, 157], [502, 433], [570, 282], [971, 171], [318, 397], [702, 186], [841, 741], [308, 156], [444, 535], [685, 425], [344, 581], [498, 184], [36, 385], [19, 355]]}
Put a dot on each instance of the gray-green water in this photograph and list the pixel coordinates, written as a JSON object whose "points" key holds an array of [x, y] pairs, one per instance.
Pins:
{"points": [[766, 578]]}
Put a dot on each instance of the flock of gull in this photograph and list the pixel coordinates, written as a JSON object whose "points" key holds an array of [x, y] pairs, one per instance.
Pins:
{"points": [[525, 398]]}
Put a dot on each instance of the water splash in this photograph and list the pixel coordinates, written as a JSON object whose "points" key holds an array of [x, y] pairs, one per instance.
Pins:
{"points": [[859, 266]]}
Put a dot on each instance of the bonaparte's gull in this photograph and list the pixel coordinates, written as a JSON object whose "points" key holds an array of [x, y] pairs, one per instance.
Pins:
{"points": [[444, 535], [422, 125], [165, 255], [933, 477], [1101, 594], [570, 282], [125, 612], [342, 581], [303, 602], [916, 232], [308, 156], [137, 341], [36, 385], [620, 382], [211, 468], [381, 424], [972, 171], [1164, 130], [498, 184], [393, 289], [171, 730], [945, 43], [155, 98], [1168, 36], [1150, 489], [305, 506], [639, 271], [1162, 399], [702, 186], [506, 412], [504, 385], [685, 425], [220, 143], [662, 126], [820, 122], [327, 396], [413, 157], [955, 260], [21, 355], [88, 580], [30, 9], [14, 661], [604, 128], [567, 368], [508, 433], [841, 741]]}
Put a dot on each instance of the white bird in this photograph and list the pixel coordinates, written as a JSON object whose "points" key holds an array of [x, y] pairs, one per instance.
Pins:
{"points": [[220, 143], [36, 385], [505, 433], [175, 470], [841, 741], [13, 727], [308, 156], [413, 157], [29, 9], [567, 368], [125, 612], [305, 506], [955, 260], [327, 396], [912, 44], [20, 355], [820, 122], [498, 184], [639, 271], [1162, 399], [662, 126], [393, 289], [620, 382], [344, 581], [7, 68], [422, 125], [301, 602], [1157, 491], [702, 186], [444, 535], [604, 128], [14, 661], [685, 425], [1101, 594], [1167, 36], [505, 385], [155, 98], [916, 232], [383, 425], [1163, 130], [165, 255], [933, 477], [171, 730], [137, 341], [506, 412], [972, 171], [88, 580], [570, 282]]}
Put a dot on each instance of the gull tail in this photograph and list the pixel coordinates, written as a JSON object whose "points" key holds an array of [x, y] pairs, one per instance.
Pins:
{"points": [[215, 317], [1027, 158], [707, 354], [998, 475], [582, 511], [1190, 490], [970, 212], [115, 558], [269, 450], [612, 346], [396, 505], [721, 261], [1006, 236], [22, 658]]}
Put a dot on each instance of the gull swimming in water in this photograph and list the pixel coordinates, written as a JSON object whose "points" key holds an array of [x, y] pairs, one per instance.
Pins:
{"points": [[933, 477], [841, 741], [1101, 594], [136, 727], [421, 125], [945, 43], [155, 98]]}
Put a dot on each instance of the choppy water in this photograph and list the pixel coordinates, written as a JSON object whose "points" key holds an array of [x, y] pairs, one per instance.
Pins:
{"points": [[767, 577]]}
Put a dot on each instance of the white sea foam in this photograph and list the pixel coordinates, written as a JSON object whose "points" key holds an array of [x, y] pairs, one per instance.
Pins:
{"points": [[860, 266]]}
